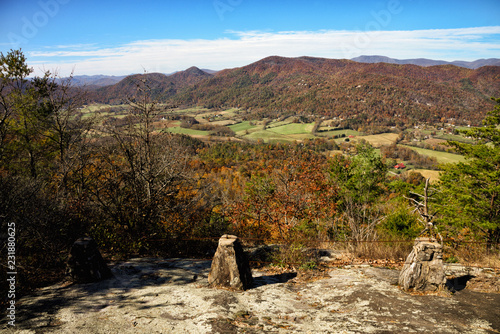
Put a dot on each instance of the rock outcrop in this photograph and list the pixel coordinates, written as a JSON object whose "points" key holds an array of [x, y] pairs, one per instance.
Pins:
{"points": [[423, 269], [230, 267], [85, 263]]}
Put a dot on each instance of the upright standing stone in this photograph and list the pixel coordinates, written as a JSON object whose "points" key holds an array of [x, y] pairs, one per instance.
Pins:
{"points": [[423, 269], [85, 263], [230, 267]]}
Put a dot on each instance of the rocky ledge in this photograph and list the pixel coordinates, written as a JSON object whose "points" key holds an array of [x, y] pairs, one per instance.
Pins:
{"points": [[173, 296]]}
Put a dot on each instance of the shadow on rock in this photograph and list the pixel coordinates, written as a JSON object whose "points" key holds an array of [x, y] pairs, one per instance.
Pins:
{"points": [[272, 279], [458, 283], [135, 274]]}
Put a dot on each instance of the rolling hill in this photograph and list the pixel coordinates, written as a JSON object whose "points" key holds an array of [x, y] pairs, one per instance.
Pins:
{"points": [[164, 86], [359, 93], [364, 93]]}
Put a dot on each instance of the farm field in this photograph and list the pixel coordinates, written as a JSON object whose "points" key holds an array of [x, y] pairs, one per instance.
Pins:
{"points": [[340, 132], [272, 130], [433, 175], [293, 128], [442, 157], [185, 131], [381, 139], [241, 127]]}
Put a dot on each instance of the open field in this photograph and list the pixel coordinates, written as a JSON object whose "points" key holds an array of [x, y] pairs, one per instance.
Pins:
{"points": [[433, 175], [293, 128], [458, 138], [241, 127], [280, 130], [185, 131], [95, 107], [224, 122], [192, 111], [381, 139], [339, 132], [270, 136], [442, 157]]}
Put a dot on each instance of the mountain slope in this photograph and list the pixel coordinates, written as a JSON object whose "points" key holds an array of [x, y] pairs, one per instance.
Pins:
{"points": [[376, 93], [162, 85]]}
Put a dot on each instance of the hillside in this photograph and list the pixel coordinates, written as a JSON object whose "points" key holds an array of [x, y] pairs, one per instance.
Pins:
{"points": [[164, 86], [363, 93]]}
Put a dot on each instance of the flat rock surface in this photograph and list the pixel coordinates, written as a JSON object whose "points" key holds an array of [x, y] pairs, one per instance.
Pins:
{"points": [[172, 296]]}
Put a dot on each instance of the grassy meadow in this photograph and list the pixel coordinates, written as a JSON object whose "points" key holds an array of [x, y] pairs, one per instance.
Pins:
{"points": [[442, 157]]}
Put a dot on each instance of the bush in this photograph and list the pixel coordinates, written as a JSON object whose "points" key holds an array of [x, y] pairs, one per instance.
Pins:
{"points": [[400, 224], [222, 131]]}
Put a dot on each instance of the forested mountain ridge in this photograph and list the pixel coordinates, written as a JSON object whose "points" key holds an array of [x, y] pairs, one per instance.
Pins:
{"points": [[94, 81], [429, 62], [163, 86], [369, 93], [364, 93]]}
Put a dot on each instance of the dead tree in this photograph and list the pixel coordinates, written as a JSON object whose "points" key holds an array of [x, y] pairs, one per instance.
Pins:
{"points": [[423, 269], [421, 204]]}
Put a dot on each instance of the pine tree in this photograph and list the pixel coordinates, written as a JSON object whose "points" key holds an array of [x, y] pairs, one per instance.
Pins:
{"points": [[471, 189]]}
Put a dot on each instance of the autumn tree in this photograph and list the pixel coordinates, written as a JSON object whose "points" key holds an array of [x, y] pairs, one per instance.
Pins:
{"points": [[143, 182], [287, 194], [29, 164], [39, 123], [14, 74], [360, 179]]}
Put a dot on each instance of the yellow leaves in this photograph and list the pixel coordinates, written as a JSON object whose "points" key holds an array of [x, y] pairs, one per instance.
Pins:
{"points": [[218, 209]]}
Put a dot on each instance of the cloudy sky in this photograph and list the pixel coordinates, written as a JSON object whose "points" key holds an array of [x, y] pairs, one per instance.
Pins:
{"points": [[131, 36]]}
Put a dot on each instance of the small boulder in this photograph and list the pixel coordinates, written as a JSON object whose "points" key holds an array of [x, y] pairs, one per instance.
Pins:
{"points": [[230, 267], [85, 263], [423, 269]]}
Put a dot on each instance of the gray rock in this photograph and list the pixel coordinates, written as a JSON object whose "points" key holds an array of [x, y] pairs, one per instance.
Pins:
{"points": [[423, 269], [85, 263], [230, 267]]}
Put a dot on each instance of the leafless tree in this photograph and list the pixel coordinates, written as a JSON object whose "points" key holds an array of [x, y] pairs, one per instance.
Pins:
{"points": [[421, 204]]}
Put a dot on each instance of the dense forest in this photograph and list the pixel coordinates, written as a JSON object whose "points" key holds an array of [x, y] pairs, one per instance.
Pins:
{"points": [[138, 191]]}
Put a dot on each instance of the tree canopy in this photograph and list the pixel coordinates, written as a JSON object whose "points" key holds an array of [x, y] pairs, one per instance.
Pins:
{"points": [[471, 189]]}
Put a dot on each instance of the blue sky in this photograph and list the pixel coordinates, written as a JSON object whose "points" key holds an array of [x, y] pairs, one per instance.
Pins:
{"points": [[122, 37]]}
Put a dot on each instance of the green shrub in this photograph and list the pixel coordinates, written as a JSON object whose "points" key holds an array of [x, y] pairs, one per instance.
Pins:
{"points": [[401, 224]]}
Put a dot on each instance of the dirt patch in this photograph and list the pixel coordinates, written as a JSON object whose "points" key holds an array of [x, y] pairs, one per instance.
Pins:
{"points": [[173, 296]]}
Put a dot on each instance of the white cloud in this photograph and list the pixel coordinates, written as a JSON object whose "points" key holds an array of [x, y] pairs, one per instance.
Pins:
{"points": [[170, 55]]}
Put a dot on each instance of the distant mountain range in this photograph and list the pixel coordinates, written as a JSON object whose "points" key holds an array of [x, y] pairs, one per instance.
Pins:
{"points": [[95, 81], [362, 93], [428, 62]]}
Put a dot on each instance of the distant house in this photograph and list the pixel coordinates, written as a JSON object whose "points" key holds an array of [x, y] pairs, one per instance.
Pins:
{"points": [[351, 136], [400, 166]]}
